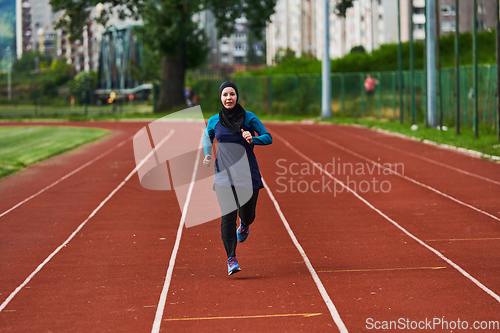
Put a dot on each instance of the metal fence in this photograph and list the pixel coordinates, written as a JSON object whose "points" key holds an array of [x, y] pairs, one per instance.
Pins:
{"points": [[301, 95], [30, 98]]}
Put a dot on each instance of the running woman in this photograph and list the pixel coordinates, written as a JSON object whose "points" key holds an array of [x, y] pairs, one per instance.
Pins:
{"points": [[234, 125]]}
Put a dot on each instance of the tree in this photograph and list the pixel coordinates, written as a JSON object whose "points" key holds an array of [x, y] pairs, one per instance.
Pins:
{"points": [[81, 84], [358, 49], [342, 6], [170, 27], [27, 62], [282, 55]]}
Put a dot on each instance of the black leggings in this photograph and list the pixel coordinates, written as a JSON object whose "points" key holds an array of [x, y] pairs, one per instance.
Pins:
{"points": [[228, 221]]}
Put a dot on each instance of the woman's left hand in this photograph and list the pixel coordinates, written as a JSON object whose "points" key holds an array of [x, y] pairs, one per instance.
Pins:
{"points": [[247, 135]]}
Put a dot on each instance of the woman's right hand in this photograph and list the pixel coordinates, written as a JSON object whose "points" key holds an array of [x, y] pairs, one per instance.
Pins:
{"points": [[206, 160]]}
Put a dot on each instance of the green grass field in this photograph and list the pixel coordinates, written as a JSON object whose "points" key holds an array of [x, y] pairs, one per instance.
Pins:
{"points": [[24, 146], [486, 143]]}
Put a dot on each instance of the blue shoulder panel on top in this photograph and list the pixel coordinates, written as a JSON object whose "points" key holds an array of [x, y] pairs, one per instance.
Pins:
{"points": [[209, 134]]}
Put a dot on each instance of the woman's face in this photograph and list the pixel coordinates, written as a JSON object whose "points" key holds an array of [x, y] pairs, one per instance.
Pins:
{"points": [[228, 98]]}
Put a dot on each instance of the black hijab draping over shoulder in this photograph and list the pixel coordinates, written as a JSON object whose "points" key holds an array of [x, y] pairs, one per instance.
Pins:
{"points": [[233, 118]]}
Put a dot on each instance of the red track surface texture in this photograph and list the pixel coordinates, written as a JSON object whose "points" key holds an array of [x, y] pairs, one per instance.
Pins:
{"points": [[91, 252]]}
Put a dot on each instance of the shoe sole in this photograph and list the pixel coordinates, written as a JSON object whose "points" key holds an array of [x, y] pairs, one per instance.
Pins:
{"points": [[236, 270]]}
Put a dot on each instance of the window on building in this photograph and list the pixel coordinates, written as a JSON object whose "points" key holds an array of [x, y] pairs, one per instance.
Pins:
{"points": [[480, 9], [447, 26], [480, 25], [447, 10], [418, 10], [419, 26]]}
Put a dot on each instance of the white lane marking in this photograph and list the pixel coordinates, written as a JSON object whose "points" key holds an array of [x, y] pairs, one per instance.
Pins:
{"points": [[326, 298], [426, 159], [401, 175], [171, 264], [28, 279], [66, 176], [436, 252]]}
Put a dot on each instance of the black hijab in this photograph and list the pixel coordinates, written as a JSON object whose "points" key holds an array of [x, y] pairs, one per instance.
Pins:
{"points": [[233, 118]]}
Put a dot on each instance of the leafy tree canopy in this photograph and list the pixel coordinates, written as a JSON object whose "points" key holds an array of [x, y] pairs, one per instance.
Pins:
{"points": [[171, 30], [169, 23], [385, 58], [358, 49], [342, 6], [27, 62]]}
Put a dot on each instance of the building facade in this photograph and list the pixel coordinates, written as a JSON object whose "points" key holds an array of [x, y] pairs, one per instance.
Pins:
{"points": [[235, 49], [369, 23], [24, 29], [485, 15], [35, 22], [299, 26]]}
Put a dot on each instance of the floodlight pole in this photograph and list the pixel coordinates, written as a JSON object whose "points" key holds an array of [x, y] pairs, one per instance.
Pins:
{"points": [[400, 65], [412, 68], [438, 56], [497, 17], [457, 67], [326, 109], [475, 69], [431, 63], [9, 71]]}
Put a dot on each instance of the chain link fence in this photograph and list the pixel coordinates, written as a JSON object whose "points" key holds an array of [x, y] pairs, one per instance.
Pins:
{"points": [[301, 95], [32, 97]]}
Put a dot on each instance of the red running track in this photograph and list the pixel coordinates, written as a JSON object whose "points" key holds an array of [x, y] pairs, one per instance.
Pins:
{"points": [[427, 249]]}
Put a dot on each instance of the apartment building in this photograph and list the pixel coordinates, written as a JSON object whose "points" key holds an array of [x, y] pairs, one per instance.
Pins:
{"points": [[234, 49], [35, 22], [485, 15], [24, 29], [299, 24]]}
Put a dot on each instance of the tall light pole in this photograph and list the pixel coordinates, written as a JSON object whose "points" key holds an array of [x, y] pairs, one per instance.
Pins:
{"points": [[431, 63], [326, 109], [412, 67], [9, 71], [400, 65], [475, 70], [438, 56], [457, 68], [497, 18]]}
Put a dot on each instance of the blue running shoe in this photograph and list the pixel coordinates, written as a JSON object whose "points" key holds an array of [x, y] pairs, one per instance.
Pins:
{"points": [[232, 266], [242, 233]]}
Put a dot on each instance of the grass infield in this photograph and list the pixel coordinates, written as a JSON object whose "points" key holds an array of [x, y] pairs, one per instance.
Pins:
{"points": [[24, 146], [487, 142]]}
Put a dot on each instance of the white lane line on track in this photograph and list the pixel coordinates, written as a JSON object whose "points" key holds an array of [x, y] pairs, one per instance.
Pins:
{"points": [[28, 279], [426, 159], [436, 252], [401, 175], [171, 264], [66, 176], [326, 298]]}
